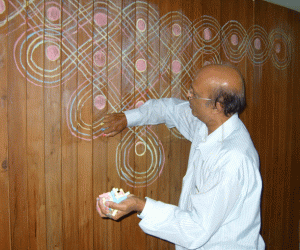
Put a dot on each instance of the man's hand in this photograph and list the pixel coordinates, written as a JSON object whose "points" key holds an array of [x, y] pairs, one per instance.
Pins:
{"points": [[131, 204], [113, 124]]}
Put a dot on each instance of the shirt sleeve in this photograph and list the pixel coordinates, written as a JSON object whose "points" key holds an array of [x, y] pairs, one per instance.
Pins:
{"points": [[171, 111], [193, 228]]}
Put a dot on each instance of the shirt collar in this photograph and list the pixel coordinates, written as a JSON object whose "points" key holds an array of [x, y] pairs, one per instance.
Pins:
{"points": [[215, 139]]}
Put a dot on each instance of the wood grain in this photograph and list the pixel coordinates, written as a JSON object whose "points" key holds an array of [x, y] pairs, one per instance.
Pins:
{"points": [[100, 145], [69, 158], [153, 90], [52, 106], [114, 105], [85, 120], [4, 171], [36, 138], [17, 135]]}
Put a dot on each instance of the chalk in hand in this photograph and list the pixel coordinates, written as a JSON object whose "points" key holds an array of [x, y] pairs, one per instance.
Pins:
{"points": [[116, 196]]}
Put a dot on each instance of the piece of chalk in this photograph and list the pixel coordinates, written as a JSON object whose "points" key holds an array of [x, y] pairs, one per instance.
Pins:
{"points": [[116, 196]]}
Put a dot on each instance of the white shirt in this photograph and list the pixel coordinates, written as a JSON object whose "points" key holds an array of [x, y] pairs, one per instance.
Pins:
{"points": [[219, 206]]}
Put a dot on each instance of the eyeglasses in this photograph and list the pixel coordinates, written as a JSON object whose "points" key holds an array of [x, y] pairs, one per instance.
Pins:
{"points": [[192, 96]]}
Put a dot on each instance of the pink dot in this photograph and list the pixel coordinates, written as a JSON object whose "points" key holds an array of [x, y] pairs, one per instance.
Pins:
{"points": [[176, 66], [139, 104], [278, 48], [100, 19], [141, 25], [100, 102], [234, 39], [53, 52], [257, 43], [206, 63], [207, 34], [53, 14], [141, 65], [176, 29], [2, 6], [100, 58]]}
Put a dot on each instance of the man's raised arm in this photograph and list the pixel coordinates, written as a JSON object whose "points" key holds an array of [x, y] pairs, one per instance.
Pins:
{"points": [[168, 110]]}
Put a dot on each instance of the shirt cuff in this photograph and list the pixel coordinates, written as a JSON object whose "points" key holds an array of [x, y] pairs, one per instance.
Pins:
{"points": [[132, 117], [148, 207]]}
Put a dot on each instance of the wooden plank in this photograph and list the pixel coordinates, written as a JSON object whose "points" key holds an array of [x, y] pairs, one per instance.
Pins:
{"points": [[187, 77], [165, 92], [281, 88], [35, 128], [293, 235], [265, 125], [126, 152], [176, 74], [114, 105], [5, 235], [155, 159], [85, 122], [70, 208], [140, 86], [100, 85], [16, 94], [52, 105]]}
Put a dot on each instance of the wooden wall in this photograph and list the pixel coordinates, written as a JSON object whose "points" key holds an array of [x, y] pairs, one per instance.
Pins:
{"points": [[64, 64]]}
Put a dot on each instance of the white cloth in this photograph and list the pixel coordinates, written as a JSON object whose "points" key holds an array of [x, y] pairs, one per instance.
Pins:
{"points": [[219, 206]]}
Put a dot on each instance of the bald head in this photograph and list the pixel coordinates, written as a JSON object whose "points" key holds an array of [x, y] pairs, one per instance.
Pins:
{"points": [[226, 86]]}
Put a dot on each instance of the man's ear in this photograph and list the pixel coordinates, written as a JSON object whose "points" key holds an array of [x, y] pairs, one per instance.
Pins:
{"points": [[218, 108]]}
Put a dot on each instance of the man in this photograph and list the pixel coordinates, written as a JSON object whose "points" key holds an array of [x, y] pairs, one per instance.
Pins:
{"points": [[219, 206]]}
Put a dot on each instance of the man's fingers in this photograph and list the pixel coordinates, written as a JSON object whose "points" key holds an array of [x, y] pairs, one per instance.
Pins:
{"points": [[98, 208], [114, 205], [113, 124]]}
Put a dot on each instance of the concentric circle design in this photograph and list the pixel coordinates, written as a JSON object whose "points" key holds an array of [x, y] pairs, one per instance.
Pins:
{"points": [[207, 33], [152, 147], [234, 41], [258, 45], [281, 48], [146, 48], [29, 64]]}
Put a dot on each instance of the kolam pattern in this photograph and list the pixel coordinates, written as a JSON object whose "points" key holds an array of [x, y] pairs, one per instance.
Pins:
{"points": [[159, 48]]}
